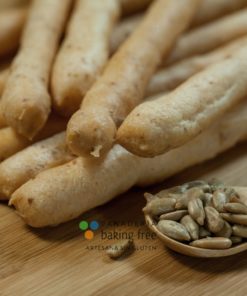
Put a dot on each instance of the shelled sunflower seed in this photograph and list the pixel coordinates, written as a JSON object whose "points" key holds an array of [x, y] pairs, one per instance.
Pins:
{"points": [[204, 214]]}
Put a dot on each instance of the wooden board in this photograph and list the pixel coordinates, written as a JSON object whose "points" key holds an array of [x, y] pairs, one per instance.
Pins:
{"points": [[59, 261]]}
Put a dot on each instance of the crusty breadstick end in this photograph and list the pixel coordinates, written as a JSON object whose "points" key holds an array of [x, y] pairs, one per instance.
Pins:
{"points": [[93, 136], [29, 118], [136, 137]]}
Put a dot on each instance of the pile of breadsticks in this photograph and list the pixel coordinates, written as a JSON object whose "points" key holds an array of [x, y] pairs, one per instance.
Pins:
{"points": [[99, 96]]}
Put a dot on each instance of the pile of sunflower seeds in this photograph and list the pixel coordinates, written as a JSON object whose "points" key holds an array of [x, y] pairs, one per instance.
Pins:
{"points": [[204, 214]]}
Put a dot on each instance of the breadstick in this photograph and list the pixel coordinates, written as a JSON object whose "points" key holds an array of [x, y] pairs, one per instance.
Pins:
{"points": [[26, 101], [83, 184], [210, 36], [11, 24], [84, 52], [92, 129], [11, 142], [25, 165], [210, 10], [155, 127], [133, 6], [169, 78], [123, 30]]}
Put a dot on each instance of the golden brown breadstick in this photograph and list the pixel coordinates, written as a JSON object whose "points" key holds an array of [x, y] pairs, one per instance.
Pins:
{"points": [[211, 9], [83, 53], [168, 78], [11, 24], [133, 6], [92, 129], [210, 36], [26, 101], [12, 143], [25, 165], [76, 187], [155, 127], [123, 30], [208, 10]]}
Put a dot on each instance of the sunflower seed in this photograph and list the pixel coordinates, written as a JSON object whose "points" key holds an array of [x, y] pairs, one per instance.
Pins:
{"points": [[236, 239], [192, 193], [215, 222], [236, 208], [207, 200], [196, 210], [212, 243], [216, 184], [219, 199], [226, 231], [203, 232], [191, 226], [119, 249], [239, 230], [235, 218], [175, 216], [158, 206], [173, 230]]}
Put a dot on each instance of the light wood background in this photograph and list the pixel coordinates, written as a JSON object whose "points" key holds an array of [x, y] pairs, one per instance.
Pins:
{"points": [[56, 261]]}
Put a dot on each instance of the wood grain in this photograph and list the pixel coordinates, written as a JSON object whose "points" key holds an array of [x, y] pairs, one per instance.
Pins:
{"points": [[56, 261]]}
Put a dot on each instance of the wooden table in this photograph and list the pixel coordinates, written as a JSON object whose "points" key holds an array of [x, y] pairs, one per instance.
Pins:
{"points": [[60, 261]]}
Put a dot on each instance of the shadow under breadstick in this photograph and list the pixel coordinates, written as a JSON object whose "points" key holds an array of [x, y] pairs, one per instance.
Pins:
{"points": [[65, 192]]}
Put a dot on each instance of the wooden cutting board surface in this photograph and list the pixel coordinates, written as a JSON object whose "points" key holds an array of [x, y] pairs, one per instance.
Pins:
{"points": [[60, 261]]}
